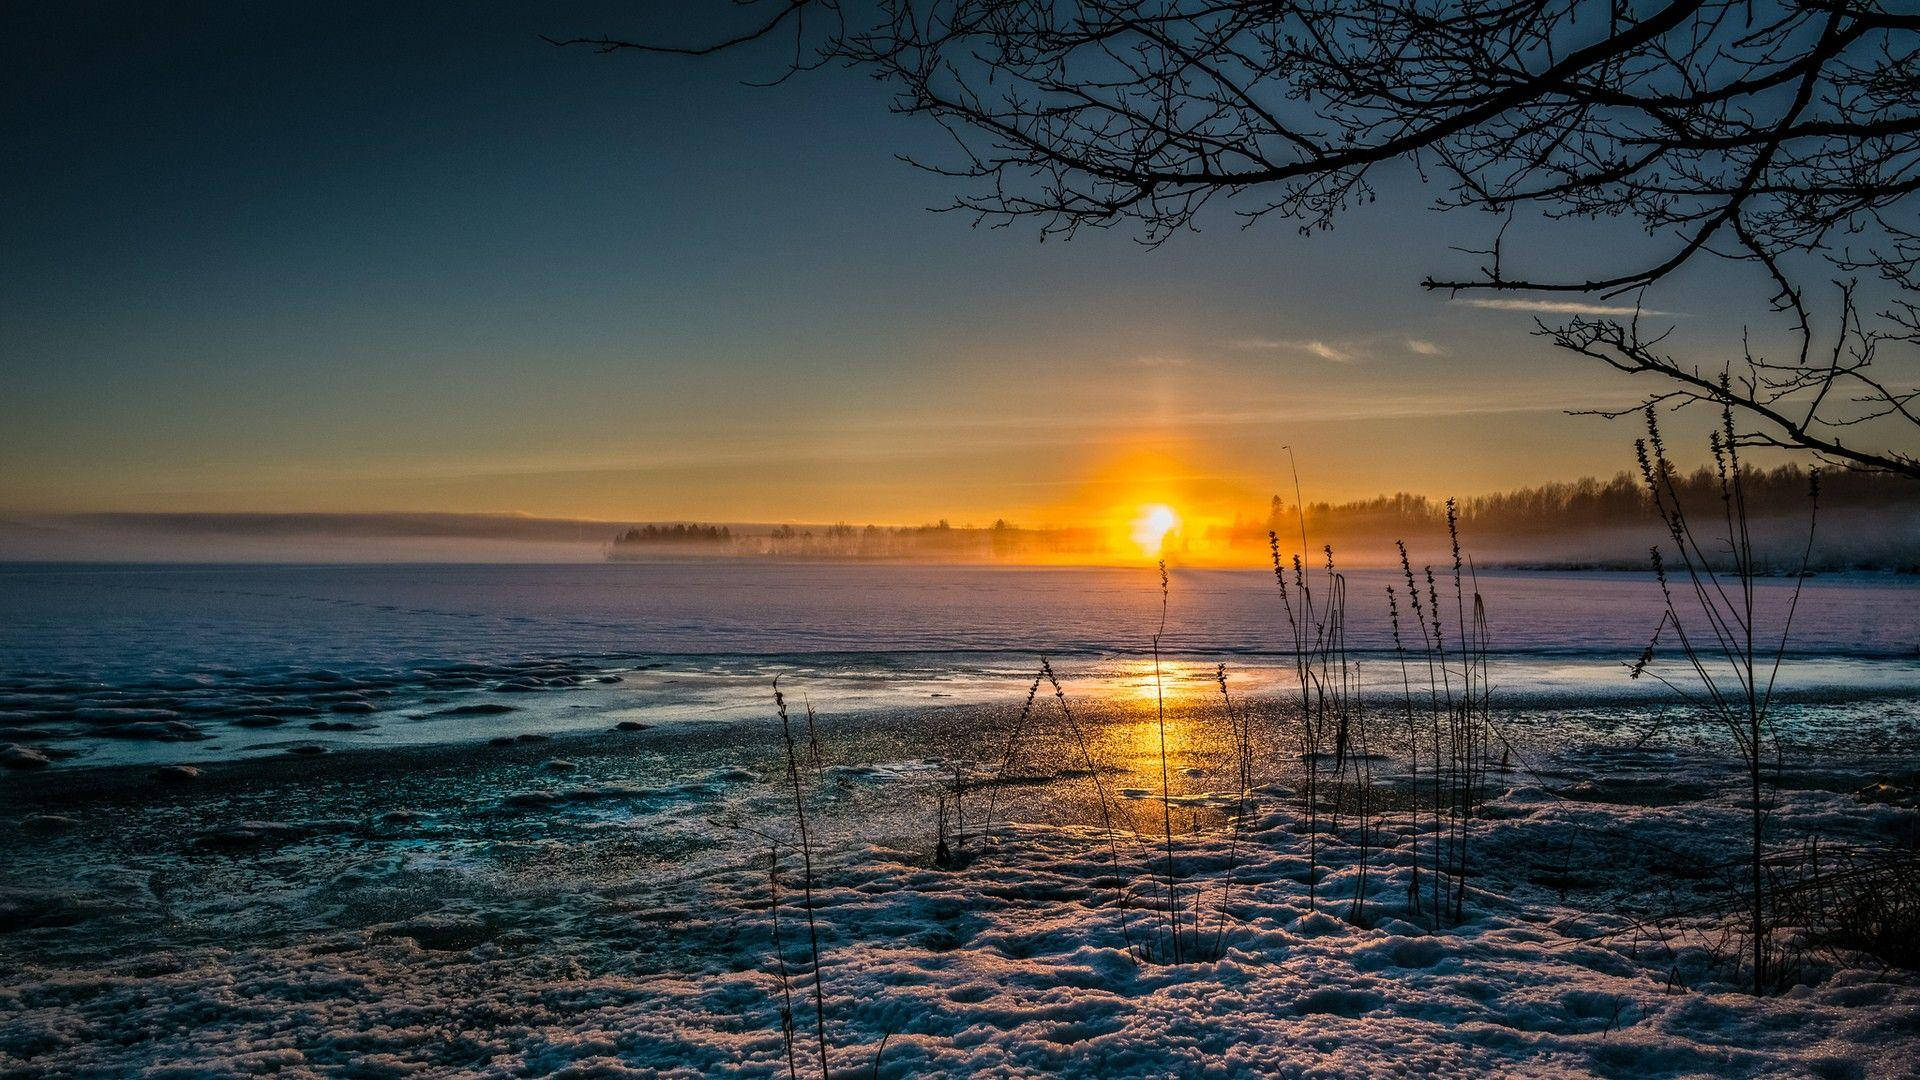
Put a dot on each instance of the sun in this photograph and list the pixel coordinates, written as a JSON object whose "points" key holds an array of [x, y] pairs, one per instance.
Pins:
{"points": [[1150, 529]]}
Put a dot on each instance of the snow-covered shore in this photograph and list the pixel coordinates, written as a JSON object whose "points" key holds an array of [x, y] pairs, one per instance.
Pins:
{"points": [[599, 906]]}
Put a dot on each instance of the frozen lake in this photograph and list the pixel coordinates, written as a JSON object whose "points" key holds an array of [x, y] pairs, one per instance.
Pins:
{"points": [[198, 663]]}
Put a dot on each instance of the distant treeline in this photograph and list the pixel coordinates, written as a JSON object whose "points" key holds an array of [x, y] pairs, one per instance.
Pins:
{"points": [[940, 540], [1867, 520], [676, 534]]}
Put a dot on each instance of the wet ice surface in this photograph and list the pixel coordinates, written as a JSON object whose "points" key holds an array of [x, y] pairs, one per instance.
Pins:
{"points": [[599, 903], [197, 664], [205, 717]]}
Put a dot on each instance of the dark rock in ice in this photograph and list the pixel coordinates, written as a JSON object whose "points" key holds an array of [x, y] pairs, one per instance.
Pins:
{"points": [[156, 730], [339, 725], [359, 708], [48, 824], [610, 679], [99, 715], [629, 725], [629, 791], [1889, 794], [501, 740], [444, 932], [533, 736], [176, 774], [484, 708], [245, 835], [258, 720], [307, 750], [15, 756], [561, 765], [37, 909]]}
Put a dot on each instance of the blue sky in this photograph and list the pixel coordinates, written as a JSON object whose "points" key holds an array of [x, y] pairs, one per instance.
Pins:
{"points": [[344, 257]]}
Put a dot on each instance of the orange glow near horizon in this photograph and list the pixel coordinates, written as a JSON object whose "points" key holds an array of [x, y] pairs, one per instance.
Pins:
{"points": [[1143, 500], [1151, 527]]}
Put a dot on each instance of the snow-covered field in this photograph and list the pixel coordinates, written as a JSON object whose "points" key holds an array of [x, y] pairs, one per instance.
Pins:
{"points": [[600, 906]]}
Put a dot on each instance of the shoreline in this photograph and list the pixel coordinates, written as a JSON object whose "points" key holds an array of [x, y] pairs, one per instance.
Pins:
{"points": [[664, 750], [1563, 698]]}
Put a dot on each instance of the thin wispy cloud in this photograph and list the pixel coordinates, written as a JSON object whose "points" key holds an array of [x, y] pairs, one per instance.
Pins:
{"points": [[1554, 307], [1325, 350], [1329, 353], [1424, 348]]}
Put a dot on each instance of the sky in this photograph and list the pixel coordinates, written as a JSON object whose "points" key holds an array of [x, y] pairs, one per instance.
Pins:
{"points": [[350, 258]]}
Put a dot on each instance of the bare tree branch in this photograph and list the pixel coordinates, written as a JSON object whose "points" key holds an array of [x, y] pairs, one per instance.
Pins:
{"points": [[1783, 134]]}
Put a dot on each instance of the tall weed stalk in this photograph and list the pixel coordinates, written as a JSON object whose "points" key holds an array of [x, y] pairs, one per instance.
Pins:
{"points": [[1327, 681], [1734, 663], [806, 860], [1240, 725], [1458, 699], [1166, 795], [1139, 953]]}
